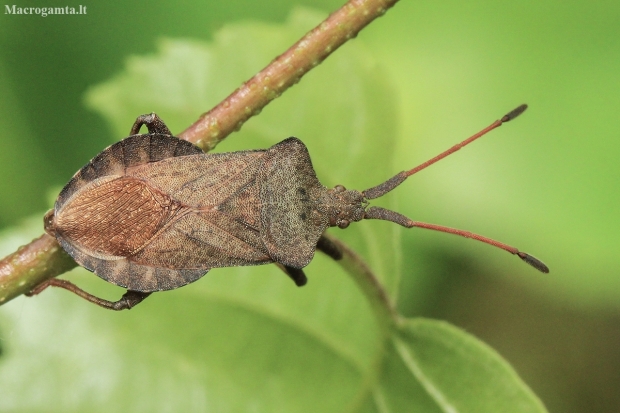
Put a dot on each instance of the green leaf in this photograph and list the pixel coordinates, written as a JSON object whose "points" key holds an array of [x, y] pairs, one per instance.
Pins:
{"points": [[435, 367], [191, 351]]}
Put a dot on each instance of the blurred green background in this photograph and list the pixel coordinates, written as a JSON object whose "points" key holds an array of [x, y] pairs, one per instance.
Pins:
{"points": [[546, 183]]}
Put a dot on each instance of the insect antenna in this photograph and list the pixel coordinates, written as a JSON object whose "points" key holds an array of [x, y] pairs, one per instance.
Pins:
{"points": [[387, 215], [393, 182], [390, 184]]}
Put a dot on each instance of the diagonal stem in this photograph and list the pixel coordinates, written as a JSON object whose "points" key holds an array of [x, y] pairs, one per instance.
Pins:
{"points": [[283, 72], [31, 265]]}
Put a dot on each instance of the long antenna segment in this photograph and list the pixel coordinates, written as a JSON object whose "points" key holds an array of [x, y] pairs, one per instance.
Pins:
{"points": [[390, 184]]}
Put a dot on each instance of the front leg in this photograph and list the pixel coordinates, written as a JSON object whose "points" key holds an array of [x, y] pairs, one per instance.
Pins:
{"points": [[153, 123], [296, 274], [129, 300], [324, 245]]}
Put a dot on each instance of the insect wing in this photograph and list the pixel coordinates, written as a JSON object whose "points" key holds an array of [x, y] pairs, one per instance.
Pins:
{"points": [[216, 225], [109, 165]]}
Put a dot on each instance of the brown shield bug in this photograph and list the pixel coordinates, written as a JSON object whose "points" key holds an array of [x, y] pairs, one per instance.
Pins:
{"points": [[153, 212]]}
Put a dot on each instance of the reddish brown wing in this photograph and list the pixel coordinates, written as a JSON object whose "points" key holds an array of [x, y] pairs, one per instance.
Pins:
{"points": [[114, 216], [111, 164], [147, 224], [291, 223]]}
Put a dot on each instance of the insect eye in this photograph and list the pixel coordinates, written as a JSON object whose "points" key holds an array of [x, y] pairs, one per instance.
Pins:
{"points": [[343, 224]]}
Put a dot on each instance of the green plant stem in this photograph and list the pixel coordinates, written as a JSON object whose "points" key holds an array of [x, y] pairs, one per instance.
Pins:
{"points": [[383, 308], [283, 72], [43, 258]]}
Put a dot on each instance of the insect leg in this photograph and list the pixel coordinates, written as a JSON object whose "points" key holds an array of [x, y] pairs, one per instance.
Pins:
{"points": [[296, 274], [153, 123], [326, 246], [127, 301]]}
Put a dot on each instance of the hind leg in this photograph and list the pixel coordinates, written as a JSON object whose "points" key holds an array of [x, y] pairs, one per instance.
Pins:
{"points": [[129, 300], [153, 123]]}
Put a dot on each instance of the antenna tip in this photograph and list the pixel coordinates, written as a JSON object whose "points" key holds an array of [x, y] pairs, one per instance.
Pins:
{"points": [[514, 113], [534, 262]]}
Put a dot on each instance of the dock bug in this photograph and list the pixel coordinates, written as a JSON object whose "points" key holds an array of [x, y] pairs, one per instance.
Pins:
{"points": [[153, 212]]}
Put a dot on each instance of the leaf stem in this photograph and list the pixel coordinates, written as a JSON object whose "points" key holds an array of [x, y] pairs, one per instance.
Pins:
{"points": [[43, 258], [385, 312]]}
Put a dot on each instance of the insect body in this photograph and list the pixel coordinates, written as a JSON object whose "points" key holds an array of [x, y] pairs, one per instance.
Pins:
{"points": [[153, 212]]}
